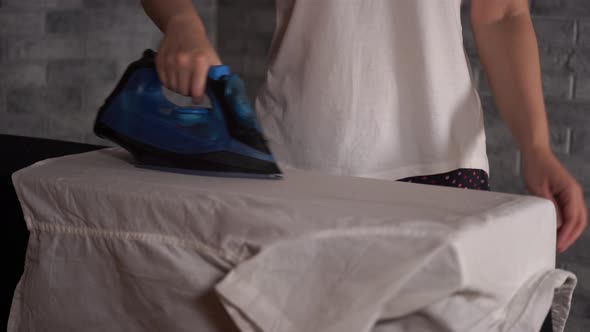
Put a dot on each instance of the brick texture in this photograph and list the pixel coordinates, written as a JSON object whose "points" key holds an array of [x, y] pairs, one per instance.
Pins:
{"points": [[561, 8], [101, 22], [555, 31], [40, 48], [584, 32], [22, 22], [580, 61], [41, 4], [583, 89], [23, 74], [55, 100], [81, 72]]}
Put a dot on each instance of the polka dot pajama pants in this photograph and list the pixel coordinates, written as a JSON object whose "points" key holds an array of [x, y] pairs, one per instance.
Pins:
{"points": [[466, 178]]}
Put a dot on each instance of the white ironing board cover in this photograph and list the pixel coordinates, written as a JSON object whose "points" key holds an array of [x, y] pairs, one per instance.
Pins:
{"points": [[119, 248]]}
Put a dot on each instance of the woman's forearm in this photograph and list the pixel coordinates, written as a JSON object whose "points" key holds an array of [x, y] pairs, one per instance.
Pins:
{"points": [[163, 11], [509, 54]]}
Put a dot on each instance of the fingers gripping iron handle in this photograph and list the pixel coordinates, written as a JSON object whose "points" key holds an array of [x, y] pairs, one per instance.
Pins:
{"points": [[227, 94], [215, 73]]}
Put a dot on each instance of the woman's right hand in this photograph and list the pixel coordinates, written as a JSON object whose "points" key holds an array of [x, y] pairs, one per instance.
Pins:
{"points": [[185, 55]]}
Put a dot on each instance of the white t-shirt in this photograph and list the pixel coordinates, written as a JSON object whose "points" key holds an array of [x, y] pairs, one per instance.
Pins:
{"points": [[378, 88]]}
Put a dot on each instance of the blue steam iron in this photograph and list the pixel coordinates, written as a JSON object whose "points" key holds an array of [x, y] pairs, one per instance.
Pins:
{"points": [[222, 140]]}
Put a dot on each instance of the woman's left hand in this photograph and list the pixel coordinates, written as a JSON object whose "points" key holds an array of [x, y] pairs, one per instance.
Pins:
{"points": [[546, 177]]}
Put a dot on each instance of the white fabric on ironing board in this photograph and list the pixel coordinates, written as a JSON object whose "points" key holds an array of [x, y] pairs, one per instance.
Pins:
{"points": [[118, 248]]}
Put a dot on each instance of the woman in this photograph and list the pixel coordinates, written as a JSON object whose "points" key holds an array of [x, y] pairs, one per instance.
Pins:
{"points": [[383, 89]]}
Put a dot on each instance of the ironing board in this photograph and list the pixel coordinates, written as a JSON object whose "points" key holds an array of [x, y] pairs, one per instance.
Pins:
{"points": [[118, 248]]}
